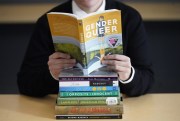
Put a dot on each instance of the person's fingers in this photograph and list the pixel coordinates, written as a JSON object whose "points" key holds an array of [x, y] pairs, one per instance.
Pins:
{"points": [[123, 72], [119, 63], [120, 69], [55, 73], [116, 63], [59, 55], [123, 76], [61, 61], [56, 65], [117, 57], [60, 66]]}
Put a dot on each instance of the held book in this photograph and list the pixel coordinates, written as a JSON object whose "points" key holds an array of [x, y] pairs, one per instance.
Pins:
{"points": [[87, 39]]}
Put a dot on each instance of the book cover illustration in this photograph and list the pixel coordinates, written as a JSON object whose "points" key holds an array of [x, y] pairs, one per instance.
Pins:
{"points": [[87, 39]]}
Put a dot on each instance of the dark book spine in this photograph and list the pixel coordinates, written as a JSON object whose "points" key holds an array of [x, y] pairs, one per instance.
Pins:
{"points": [[89, 117], [88, 78], [103, 83]]}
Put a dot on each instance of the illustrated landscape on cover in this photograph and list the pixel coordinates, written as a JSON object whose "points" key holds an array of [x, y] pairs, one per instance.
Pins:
{"points": [[87, 39]]}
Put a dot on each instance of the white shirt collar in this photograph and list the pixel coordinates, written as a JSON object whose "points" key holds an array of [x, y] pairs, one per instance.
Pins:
{"points": [[80, 13]]}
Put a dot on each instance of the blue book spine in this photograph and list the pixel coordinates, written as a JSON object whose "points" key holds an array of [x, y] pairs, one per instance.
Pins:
{"points": [[88, 88]]}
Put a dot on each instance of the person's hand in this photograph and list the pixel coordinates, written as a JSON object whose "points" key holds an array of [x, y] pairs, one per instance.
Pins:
{"points": [[119, 63], [58, 61]]}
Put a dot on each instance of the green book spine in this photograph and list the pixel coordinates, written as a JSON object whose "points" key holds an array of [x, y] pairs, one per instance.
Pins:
{"points": [[90, 94], [89, 101]]}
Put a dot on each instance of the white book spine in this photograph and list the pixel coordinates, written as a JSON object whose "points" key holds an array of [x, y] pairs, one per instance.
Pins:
{"points": [[73, 83]]}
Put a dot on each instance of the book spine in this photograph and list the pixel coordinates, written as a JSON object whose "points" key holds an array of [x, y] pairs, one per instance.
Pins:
{"points": [[104, 83], [81, 36], [88, 88], [87, 83], [82, 43], [118, 116], [90, 94], [89, 101], [88, 110], [88, 78]]}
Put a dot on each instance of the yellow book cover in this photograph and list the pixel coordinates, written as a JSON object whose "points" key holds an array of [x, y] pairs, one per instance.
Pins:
{"points": [[87, 39]]}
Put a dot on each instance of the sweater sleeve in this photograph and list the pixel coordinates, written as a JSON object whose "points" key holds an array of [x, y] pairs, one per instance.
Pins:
{"points": [[137, 48], [34, 78]]}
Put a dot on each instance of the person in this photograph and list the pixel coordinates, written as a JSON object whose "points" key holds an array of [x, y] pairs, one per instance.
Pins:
{"points": [[42, 65]]}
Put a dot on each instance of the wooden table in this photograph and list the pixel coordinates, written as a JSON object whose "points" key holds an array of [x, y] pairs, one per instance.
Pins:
{"points": [[151, 107]]}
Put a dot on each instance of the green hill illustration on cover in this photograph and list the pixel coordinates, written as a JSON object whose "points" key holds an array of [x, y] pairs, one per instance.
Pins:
{"points": [[87, 39]]}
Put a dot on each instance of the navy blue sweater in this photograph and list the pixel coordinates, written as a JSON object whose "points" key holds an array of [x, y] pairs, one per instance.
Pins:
{"points": [[34, 78]]}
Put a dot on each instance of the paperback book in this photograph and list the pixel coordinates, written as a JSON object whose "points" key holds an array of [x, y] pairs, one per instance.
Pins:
{"points": [[83, 101], [105, 116], [87, 39], [76, 74], [88, 88], [90, 94], [86, 110], [75, 83]]}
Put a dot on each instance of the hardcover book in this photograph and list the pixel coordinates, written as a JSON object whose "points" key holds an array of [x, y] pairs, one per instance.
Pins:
{"points": [[89, 101], [90, 94], [86, 110], [105, 116], [87, 39], [88, 88], [76, 74], [87, 83]]}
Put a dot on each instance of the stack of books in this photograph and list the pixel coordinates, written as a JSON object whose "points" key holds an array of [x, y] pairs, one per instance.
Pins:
{"points": [[88, 40], [95, 96]]}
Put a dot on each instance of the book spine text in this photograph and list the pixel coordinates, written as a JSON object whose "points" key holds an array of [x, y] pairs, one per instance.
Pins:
{"points": [[88, 88], [88, 78], [118, 116], [89, 94], [87, 83], [89, 101], [86, 110]]}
